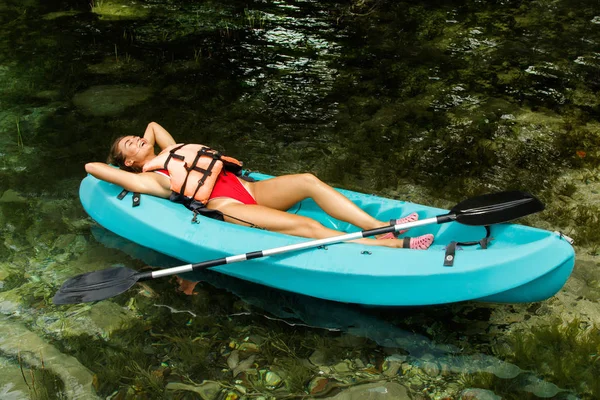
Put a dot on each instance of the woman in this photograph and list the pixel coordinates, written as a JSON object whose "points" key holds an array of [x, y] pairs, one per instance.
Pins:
{"points": [[262, 203]]}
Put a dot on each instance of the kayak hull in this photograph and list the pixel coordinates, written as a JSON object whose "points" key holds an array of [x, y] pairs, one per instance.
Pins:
{"points": [[522, 264]]}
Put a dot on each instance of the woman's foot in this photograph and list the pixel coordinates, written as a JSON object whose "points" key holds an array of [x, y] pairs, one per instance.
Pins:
{"points": [[418, 243], [409, 218]]}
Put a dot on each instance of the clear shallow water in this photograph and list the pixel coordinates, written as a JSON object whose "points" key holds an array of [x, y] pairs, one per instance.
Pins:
{"points": [[426, 102]]}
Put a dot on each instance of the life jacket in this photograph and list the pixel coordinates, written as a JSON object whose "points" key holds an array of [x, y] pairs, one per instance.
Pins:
{"points": [[193, 168]]}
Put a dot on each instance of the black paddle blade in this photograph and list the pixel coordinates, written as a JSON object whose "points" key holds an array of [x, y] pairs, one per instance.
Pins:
{"points": [[495, 208], [97, 285]]}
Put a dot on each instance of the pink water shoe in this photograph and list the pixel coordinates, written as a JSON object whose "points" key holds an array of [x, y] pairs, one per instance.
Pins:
{"points": [[409, 218], [418, 243]]}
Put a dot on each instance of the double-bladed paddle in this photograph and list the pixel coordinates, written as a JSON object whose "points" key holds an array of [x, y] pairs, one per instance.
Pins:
{"points": [[478, 211]]}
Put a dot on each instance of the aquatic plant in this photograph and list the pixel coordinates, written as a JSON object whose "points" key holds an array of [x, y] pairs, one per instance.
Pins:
{"points": [[150, 382], [586, 218], [578, 140], [254, 18], [41, 383], [19, 135], [96, 5], [115, 362], [197, 55], [296, 373], [361, 8], [326, 347], [575, 218], [276, 345], [566, 353], [14, 280], [189, 357]]}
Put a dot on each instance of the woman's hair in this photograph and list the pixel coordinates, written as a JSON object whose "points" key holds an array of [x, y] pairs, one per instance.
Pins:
{"points": [[116, 157]]}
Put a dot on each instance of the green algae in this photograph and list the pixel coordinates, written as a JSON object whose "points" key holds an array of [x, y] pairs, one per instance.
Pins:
{"points": [[565, 352], [193, 355], [11, 277], [42, 384], [296, 372], [117, 9], [587, 271]]}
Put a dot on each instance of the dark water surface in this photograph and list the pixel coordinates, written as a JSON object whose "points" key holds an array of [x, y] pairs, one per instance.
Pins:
{"points": [[430, 102]]}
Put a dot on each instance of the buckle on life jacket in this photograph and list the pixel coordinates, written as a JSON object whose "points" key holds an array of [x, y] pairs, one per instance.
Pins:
{"points": [[198, 208]]}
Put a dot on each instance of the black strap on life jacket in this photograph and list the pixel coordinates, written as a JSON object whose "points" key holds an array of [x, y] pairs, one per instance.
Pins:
{"points": [[204, 151], [451, 248], [199, 208], [205, 172], [135, 200], [173, 155], [196, 207]]}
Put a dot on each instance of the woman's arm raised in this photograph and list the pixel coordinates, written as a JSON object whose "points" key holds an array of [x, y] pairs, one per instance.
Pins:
{"points": [[146, 182], [156, 134]]}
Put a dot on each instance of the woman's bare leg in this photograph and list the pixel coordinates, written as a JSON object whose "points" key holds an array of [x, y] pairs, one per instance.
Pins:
{"points": [[283, 192], [283, 222]]}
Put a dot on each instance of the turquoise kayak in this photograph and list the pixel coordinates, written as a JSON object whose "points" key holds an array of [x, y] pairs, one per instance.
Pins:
{"points": [[522, 264]]}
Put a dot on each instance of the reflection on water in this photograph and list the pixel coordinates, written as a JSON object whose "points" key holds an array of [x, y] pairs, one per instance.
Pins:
{"points": [[430, 102]]}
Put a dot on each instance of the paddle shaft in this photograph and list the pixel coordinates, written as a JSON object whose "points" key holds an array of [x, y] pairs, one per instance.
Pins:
{"points": [[293, 247]]}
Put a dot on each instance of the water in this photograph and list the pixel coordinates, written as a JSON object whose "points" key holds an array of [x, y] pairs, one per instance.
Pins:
{"points": [[430, 102]]}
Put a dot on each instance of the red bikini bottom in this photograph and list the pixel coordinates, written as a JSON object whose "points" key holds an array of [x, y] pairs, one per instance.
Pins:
{"points": [[229, 185]]}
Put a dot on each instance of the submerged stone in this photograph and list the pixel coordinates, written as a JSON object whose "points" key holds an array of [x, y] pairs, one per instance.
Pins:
{"points": [[60, 14], [17, 340], [208, 390], [478, 394], [503, 369], [101, 319], [11, 196], [48, 95], [272, 380], [244, 366], [8, 392], [343, 366], [374, 391], [541, 388], [118, 9], [390, 367], [233, 359], [431, 368], [12, 386], [116, 65], [10, 302], [248, 347], [110, 100], [317, 358]]}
